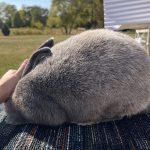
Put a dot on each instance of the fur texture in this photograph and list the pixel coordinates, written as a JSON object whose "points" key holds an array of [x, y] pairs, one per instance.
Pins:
{"points": [[95, 76]]}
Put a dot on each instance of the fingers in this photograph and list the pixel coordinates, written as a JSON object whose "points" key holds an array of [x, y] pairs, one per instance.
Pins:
{"points": [[21, 68], [12, 70]]}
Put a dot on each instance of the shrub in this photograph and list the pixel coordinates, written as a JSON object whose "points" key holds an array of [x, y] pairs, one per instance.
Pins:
{"points": [[5, 30], [38, 25], [26, 31], [34, 31]]}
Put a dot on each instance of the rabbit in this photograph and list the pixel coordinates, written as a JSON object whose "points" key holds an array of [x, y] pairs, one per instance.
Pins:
{"points": [[95, 76]]}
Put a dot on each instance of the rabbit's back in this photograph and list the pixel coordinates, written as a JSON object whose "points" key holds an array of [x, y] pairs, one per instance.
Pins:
{"points": [[100, 73]]}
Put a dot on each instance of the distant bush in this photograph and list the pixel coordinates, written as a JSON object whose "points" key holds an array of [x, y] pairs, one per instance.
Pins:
{"points": [[26, 31], [44, 31], [34, 31], [5, 30], [38, 25]]}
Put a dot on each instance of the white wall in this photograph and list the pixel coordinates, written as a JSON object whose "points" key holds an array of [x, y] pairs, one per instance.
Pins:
{"points": [[118, 12]]}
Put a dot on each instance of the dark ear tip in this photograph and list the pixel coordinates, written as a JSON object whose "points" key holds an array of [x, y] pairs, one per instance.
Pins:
{"points": [[49, 43]]}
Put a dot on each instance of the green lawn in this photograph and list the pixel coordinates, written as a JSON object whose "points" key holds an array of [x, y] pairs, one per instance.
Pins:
{"points": [[14, 49]]}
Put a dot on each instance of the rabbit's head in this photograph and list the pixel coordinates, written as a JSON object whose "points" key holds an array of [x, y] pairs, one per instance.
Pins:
{"points": [[14, 116]]}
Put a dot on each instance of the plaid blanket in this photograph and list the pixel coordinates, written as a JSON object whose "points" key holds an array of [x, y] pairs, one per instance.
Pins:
{"points": [[126, 134]]}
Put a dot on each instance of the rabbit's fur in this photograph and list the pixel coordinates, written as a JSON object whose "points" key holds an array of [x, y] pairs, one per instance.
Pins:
{"points": [[94, 76]]}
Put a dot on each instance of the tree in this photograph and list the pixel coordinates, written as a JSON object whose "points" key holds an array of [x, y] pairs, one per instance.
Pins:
{"points": [[92, 15], [5, 30], [44, 16], [1, 23], [25, 14], [10, 11], [98, 13], [17, 20], [53, 22], [2, 10], [25, 17], [38, 14], [67, 11], [7, 13], [77, 13]]}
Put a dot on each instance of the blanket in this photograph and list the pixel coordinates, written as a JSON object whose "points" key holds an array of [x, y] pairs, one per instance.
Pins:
{"points": [[126, 134]]}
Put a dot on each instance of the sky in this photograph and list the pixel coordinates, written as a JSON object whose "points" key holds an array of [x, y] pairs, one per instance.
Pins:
{"points": [[19, 3]]}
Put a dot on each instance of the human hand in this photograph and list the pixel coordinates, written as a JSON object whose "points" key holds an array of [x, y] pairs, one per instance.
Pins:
{"points": [[9, 81]]}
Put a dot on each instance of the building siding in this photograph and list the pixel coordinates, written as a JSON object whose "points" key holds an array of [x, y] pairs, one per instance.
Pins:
{"points": [[118, 12]]}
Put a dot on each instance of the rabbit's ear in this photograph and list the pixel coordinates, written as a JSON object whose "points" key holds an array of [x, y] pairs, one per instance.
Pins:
{"points": [[36, 58], [49, 43]]}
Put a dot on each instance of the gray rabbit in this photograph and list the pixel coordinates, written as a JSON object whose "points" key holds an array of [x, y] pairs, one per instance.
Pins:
{"points": [[95, 76]]}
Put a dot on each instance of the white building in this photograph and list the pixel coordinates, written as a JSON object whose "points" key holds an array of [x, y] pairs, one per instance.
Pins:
{"points": [[128, 14]]}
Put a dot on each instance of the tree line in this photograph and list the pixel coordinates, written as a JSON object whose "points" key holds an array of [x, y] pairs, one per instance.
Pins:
{"points": [[34, 16], [71, 14], [66, 14]]}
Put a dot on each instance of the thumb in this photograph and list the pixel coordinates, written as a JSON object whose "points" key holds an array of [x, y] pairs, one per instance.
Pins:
{"points": [[22, 67]]}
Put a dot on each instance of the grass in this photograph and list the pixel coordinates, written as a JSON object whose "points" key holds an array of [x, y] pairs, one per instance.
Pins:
{"points": [[14, 49]]}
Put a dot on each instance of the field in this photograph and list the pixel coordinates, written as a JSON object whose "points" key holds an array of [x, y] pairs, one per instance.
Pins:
{"points": [[14, 49]]}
